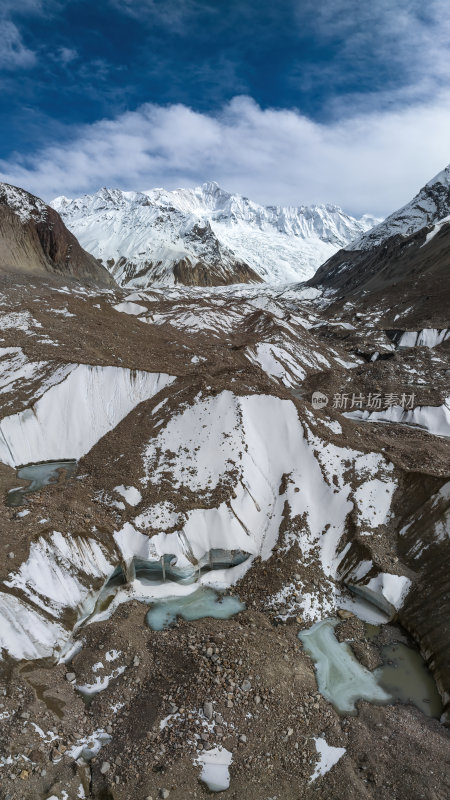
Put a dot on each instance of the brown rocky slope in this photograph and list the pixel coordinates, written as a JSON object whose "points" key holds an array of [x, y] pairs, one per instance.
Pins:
{"points": [[34, 239]]}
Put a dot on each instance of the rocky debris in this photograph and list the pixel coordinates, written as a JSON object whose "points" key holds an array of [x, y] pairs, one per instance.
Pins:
{"points": [[367, 654], [343, 613], [351, 629]]}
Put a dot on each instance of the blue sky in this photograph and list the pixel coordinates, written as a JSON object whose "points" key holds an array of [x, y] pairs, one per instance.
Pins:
{"points": [[292, 101]]}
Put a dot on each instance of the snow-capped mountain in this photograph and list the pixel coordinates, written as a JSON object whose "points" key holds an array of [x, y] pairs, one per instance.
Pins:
{"points": [[205, 236], [403, 262], [430, 204]]}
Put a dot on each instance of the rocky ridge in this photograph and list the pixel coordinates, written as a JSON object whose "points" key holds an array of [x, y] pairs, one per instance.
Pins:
{"points": [[403, 263], [429, 206], [34, 240]]}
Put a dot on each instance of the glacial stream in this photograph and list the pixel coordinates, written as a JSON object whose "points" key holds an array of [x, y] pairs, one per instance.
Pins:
{"points": [[39, 475], [342, 680]]}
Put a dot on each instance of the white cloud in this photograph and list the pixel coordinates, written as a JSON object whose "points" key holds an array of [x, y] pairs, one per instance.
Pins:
{"points": [[373, 162], [66, 55], [13, 52], [406, 39]]}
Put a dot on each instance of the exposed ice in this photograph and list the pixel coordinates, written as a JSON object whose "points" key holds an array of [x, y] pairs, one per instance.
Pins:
{"points": [[50, 577], [277, 362], [427, 337], [262, 438], [74, 414], [24, 633], [17, 372], [434, 419], [271, 467]]}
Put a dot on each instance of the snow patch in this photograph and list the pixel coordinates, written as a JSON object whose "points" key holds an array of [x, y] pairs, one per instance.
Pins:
{"points": [[329, 756], [215, 768], [394, 588], [130, 494], [131, 308]]}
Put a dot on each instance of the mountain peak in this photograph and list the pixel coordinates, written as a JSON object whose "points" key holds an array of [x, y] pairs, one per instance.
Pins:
{"points": [[25, 205], [212, 187], [428, 206], [143, 237], [401, 262], [442, 177]]}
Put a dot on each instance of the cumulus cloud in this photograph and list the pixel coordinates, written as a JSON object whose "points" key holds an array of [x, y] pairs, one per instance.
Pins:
{"points": [[372, 162]]}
